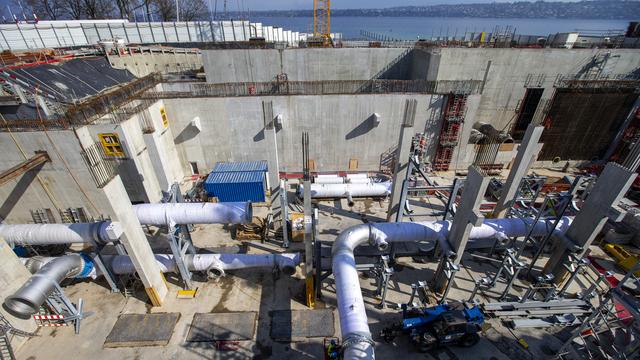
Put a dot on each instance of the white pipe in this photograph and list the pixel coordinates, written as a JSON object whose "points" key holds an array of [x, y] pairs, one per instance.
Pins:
{"points": [[328, 179], [214, 264], [319, 191], [360, 181], [194, 213], [51, 234], [356, 337]]}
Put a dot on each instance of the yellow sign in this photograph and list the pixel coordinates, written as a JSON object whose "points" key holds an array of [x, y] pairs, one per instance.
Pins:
{"points": [[111, 145], [165, 121]]}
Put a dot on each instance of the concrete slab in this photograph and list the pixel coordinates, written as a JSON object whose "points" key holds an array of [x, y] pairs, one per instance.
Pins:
{"points": [[231, 326], [287, 324], [134, 330]]}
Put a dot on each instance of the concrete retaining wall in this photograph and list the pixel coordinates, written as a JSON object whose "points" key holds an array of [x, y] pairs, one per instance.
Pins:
{"points": [[339, 127], [513, 70], [223, 66]]}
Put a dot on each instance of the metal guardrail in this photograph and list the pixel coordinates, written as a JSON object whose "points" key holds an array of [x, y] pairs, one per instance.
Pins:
{"points": [[329, 87], [102, 169]]}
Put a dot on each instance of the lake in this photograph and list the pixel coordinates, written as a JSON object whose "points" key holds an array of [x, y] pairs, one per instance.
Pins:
{"points": [[427, 27]]}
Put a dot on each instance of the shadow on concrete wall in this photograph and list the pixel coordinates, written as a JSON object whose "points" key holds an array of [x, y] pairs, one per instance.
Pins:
{"points": [[18, 190], [187, 134], [364, 127]]}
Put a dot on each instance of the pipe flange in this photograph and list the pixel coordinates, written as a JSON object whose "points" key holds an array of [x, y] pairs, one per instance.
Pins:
{"points": [[215, 272], [353, 339]]}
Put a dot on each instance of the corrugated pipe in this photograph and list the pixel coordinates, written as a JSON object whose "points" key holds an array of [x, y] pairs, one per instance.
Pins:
{"points": [[51, 234], [49, 271], [319, 191], [194, 213], [28, 299], [356, 337]]}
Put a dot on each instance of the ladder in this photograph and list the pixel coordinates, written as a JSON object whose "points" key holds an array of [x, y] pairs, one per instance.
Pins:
{"points": [[6, 351]]}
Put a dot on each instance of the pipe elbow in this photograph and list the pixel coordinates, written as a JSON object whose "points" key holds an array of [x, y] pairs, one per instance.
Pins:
{"points": [[215, 272], [288, 263]]}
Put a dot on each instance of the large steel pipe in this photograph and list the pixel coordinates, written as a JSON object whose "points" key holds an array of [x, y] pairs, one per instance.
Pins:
{"points": [[319, 191], [215, 265], [353, 317], [51, 234], [49, 271], [28, 299], [194, 213]]}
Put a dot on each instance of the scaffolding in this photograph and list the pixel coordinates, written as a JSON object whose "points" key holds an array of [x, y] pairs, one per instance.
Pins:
{"points": [[452, 120]]}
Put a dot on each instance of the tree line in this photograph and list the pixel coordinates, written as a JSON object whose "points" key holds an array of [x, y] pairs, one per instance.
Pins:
{"points": [[133, 10]]}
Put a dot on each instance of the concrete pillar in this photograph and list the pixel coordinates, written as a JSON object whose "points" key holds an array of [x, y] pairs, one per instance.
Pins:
{"points": [[402, 158], [116, 202], [162, 149], [136, 243], [527, 150], [610, 188], [131, 133], [12, 275], [270, 136], [467, 216]]}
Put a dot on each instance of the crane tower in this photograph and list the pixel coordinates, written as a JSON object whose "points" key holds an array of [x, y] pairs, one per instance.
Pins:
{"points": [[322, 21]]}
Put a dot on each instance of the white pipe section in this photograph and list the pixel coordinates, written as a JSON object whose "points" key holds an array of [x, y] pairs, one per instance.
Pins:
{"points": [[356, 337], [319, 191], [328, 179], [360, 181], [51, 234], [214, 264], [194, 213]]}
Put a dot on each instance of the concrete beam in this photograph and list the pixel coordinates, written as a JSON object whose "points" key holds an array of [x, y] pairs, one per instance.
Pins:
{"points": [[611, 186], [270, 136], [402, 158], [468, 213], [467, 216], [526, 153], [135, 242]]}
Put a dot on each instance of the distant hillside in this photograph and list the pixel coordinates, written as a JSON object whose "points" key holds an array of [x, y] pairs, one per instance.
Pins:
{"points": [[614, 9]]}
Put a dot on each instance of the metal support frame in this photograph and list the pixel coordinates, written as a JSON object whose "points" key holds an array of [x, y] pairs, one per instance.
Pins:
{"points": [[180, 239], [59, 303], [284, 212], [542, 284], [383, 272], [573, 267], [447, 268], [602, 318], [421, 289], [511, 267]]}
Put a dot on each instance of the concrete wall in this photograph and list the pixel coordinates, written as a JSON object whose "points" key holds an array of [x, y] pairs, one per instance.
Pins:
{"points": [[223, 66], [141, 64], [339, 128], [66, 182], [512, 70], [137, 171], [20, 195], [162, 150]]}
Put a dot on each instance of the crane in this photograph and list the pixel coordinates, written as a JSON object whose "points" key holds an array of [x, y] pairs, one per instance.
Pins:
{"points": [[321, 23]]}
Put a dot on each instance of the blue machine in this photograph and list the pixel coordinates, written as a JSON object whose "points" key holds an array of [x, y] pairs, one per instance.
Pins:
{"points": [[447, 324]]}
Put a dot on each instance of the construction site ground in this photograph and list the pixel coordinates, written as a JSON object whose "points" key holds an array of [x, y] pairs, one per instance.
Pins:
{"points": [[261, 292]]}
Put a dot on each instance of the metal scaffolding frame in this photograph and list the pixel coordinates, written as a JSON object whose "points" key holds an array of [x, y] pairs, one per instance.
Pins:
{"points": [[180, 239]]}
